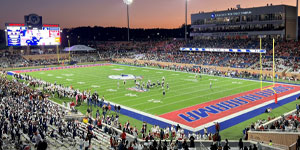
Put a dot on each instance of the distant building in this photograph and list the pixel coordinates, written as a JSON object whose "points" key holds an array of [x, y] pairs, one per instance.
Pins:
{"points": [[278, 21]]}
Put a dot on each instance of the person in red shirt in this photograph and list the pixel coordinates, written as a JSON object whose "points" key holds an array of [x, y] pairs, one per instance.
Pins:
{"points": [[123, 136], [111, 142], [217, 127], [130, 146], [261, 127]]}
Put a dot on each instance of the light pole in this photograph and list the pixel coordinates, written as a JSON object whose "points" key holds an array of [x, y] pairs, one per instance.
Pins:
{"points": [[128, 2], [185, 30], [69, 49], [297, 21]]}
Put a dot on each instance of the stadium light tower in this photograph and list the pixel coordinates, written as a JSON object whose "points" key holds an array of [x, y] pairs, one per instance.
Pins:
{"points": [[69, 48], [128, 2], [185, 30], [297, 25]]}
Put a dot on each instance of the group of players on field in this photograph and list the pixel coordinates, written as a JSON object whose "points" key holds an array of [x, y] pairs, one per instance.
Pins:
{"points": [[141, 85]]}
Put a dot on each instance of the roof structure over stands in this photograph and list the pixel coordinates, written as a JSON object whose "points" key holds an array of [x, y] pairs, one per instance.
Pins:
{"points": [[78, 48]]}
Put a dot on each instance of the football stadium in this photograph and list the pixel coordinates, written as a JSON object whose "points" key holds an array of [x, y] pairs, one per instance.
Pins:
{"points": [[225, 79]]}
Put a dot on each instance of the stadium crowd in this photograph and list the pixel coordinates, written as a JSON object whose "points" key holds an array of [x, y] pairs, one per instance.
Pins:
{"points": [[29, 119], [287, 56], [286, 123]]}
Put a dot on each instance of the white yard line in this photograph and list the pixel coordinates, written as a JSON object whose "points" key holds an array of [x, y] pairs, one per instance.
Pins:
{"points": [[188, 87], [221, 91]]}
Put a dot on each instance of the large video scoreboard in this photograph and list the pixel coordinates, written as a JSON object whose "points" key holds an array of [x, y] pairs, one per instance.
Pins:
{"points": [[21, 35]]}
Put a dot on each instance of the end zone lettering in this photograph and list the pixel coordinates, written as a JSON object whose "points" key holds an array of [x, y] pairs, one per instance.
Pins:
{"points": [[220, 107]]}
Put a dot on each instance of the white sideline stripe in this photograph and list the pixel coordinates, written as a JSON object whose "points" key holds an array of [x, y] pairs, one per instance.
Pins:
{"points": [[154, 117], [244, 111]]}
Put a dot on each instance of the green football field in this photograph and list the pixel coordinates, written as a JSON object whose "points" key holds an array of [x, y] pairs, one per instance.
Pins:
{"points": [[184, 89]]}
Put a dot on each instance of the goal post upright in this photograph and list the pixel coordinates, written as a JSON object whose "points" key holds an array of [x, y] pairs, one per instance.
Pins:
{"points": [[273, 71], [273, 66], [260, 61], [273, 62]]}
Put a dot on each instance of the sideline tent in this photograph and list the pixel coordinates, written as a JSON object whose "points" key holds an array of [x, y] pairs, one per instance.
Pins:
{"points": [[79, 48]]}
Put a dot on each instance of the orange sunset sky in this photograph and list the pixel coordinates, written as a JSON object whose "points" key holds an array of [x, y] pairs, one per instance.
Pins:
{"points": [[143, 13]]}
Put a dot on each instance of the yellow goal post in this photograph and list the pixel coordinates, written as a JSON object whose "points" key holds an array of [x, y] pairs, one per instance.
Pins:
{"points": [[261, 68]]}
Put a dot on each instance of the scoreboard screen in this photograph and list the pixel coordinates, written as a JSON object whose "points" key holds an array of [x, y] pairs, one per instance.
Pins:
{"points": [[22, 36]]}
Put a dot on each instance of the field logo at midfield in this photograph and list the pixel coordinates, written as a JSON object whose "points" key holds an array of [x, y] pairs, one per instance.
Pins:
{"points": [[208, 112], [125, 77]]}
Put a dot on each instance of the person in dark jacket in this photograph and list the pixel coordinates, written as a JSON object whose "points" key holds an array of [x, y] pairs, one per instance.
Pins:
{"points": [[192, 143], [226, 147], [241, 144]]}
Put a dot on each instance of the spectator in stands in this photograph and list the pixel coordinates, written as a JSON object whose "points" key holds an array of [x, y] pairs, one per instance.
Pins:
{"points": [[298, 143], [254, 147], [213, 146], [192, 143], [241, 144], [86, 144], [270, 143], [226, 146], [123, 135], [37, 138]]}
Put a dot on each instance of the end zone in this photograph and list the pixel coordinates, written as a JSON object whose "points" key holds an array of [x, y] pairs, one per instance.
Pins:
{"points": [[229, 107]]}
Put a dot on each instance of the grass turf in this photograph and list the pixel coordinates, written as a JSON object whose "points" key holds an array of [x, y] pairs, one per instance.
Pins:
{"points": [[184, 90]]}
